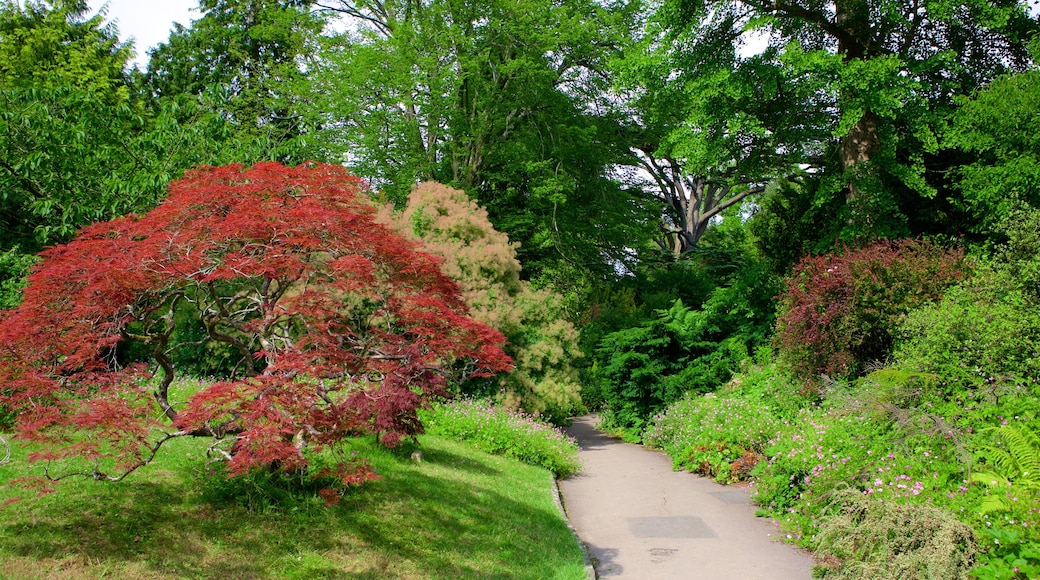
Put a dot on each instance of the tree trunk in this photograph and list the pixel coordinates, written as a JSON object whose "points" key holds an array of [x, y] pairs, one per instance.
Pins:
{"points": [[857, 147], [862, 141]]}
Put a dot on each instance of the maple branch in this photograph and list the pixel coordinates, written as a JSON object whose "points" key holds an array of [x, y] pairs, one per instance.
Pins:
{"points": [[210, 322], [97, 474]]}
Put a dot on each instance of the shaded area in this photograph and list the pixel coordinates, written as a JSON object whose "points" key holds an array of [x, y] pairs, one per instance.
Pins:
{"points": [[458, 514]]}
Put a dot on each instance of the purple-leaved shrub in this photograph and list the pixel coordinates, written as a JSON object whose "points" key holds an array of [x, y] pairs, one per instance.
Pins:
{"points": [[838, 312]]}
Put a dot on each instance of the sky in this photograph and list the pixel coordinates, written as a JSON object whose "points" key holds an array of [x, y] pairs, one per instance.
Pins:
{"points": [[148, 21]]}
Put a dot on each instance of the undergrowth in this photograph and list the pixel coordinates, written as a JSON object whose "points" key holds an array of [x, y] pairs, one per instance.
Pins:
{"points": [[503, 431]]}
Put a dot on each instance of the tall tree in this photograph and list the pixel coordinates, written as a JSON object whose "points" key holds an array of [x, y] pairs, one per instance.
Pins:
{"points": [[65, 110], [887, 72], [246, 59], [1000, 126], [710, 125], [79, 142], [501, 99]]}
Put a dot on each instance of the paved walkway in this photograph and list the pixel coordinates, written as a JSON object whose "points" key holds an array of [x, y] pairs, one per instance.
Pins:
{"points": [[641, 520]]}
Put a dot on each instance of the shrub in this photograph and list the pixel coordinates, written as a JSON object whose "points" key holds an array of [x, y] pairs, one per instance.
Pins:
{"points": [[504, 431], [717, 436], [542, 343], [983, 338], [867, 538], [838, 312]]}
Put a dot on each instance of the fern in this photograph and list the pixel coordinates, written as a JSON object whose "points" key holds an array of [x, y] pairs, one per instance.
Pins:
{"points": [[1017, 464]]}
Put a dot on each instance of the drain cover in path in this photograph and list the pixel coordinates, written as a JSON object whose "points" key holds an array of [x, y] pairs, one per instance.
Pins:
{"points": [[670, 527]]}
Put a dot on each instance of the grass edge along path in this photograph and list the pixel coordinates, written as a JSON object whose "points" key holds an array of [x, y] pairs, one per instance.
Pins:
{"points": [[459, 513]]}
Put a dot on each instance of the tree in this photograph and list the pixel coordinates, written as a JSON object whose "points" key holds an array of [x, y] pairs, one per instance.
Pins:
{"points": [[68, 128], [709, 126], [503, 100], [247, 58], [340, 327], [1000, 126], [79, 143], [886, 72], [541, 342], [65, 112]]}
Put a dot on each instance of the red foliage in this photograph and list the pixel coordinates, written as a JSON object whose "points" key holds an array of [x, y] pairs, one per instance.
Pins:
{"points": [[838, 312], [343, 327]]}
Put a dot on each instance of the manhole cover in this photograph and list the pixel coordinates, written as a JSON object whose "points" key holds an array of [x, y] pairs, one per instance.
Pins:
{"points": [[658, 555], [670, 527]]}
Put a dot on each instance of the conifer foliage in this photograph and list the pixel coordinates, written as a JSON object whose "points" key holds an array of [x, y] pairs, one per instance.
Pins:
{"points": [[341, 327]]}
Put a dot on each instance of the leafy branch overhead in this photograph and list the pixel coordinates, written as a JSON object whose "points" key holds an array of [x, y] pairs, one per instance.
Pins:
{"points": [[338, 326]]}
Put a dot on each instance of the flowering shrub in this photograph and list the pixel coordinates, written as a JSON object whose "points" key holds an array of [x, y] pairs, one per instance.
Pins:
{"points": [[504, 431], [824, 450], [838, 312], [841, 475], [716, 436]]}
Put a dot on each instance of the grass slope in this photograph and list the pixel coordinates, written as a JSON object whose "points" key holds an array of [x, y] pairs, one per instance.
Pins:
{"points": [[460, 513]]}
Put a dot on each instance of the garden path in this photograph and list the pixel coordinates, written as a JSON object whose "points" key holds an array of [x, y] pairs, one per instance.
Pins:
{"points": [[641, 520]]}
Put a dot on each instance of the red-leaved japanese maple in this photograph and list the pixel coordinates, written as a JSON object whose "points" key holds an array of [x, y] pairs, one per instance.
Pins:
{"points": [[340, 326]]}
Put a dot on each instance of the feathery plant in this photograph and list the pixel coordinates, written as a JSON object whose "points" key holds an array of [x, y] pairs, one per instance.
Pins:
{"points": [[1017, 464]]}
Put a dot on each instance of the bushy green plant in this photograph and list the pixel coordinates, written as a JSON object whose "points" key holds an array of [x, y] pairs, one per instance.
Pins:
{"points": [[717, 436], [838, 312], [646, 367], [504, 431], [14, 267], [1015, 463], [983, 338], [866, 539], [1012, 555], [1009, 475]]}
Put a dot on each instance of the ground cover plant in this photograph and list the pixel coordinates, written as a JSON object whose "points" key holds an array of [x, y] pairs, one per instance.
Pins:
{"points": [[503, 431], [719, 436], [460, 513], [337, 327]]}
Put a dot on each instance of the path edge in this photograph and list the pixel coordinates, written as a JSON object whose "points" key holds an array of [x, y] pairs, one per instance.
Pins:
{"points": [[590, 570]]}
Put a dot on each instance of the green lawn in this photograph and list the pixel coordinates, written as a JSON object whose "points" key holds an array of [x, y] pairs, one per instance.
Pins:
{"points": [[459, 513]]}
